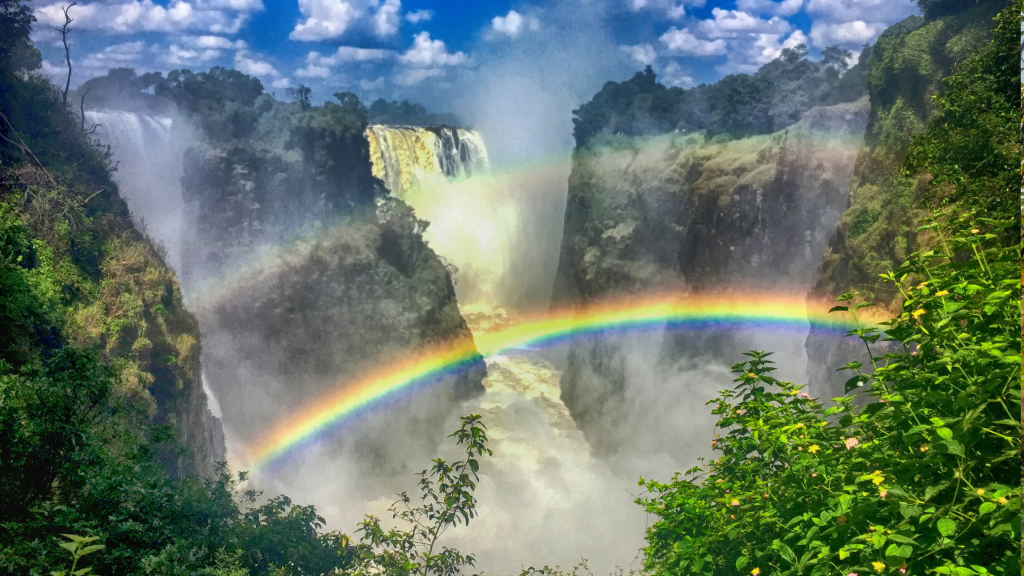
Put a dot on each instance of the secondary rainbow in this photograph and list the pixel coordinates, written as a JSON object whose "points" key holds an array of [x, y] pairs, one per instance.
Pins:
{"points": [[317, 418]]}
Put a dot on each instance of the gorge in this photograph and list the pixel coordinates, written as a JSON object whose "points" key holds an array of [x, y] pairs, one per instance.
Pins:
{"points": [[238, 329]]}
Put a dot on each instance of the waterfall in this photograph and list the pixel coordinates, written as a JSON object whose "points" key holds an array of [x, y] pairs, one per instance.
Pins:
{"points": [[148, 151], [402, 154]]}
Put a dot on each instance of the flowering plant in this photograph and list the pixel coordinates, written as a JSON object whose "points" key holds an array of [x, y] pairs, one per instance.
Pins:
{"points": [[915, 473]]}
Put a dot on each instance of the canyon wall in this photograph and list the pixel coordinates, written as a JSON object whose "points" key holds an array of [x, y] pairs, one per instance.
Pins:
{"points": [[676, 213]]}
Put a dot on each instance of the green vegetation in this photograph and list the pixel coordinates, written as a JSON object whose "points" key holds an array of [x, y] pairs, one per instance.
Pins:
{"points": [[738, 105], [919, 476], [944, 99], [405, 113]]}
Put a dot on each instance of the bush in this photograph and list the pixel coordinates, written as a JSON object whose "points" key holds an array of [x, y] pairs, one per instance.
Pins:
{"points": [[918, 474]]}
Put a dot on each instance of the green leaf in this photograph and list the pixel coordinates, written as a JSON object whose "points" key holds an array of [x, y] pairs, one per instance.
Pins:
{"points": [[786, 552], [946, 527], [741, 562], [945, 433], [910, 511], [953, 447], [986, 507], [91, 549]]}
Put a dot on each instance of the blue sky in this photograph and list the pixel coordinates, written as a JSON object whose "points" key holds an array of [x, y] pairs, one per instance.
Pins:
{"points": [[529, 62]]}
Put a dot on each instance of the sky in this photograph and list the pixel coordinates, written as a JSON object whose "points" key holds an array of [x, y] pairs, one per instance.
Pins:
{"points": [[434, 51]]}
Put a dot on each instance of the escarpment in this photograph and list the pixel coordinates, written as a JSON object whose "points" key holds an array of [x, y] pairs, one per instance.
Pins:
{"points": [[676, 213], [307, 275]]}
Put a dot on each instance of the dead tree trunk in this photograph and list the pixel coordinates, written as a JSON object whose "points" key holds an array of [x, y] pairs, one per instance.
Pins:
{"points": [[67, 50]]}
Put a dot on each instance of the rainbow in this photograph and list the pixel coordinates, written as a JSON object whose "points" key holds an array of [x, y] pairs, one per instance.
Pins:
{"points": [[345, 399]]}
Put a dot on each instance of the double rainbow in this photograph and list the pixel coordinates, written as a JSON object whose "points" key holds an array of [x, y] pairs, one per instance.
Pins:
{"points": [[346, 398]]}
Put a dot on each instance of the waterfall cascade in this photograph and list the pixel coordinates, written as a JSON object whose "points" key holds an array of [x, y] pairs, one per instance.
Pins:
{"points": [[400, 154]]}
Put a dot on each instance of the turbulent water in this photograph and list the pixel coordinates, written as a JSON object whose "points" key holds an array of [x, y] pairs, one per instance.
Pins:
{"points": [[401, 155], [148, 151]]}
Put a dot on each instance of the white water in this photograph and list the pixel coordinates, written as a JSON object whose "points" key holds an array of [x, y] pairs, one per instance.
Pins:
{"points": [[148, 151]]}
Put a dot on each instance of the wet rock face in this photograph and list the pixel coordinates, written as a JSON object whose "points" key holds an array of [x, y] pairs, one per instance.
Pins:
{"points": [[673, 213], [296, 300]]}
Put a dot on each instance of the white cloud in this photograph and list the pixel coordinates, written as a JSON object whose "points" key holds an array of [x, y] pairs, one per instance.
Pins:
{"points": [[319, 66], [213, 42], [750, 53], [855, 33], [771, 7], [145, 16], [125, 54], [642, 54], [372, 84], [411, 77], [513, 23], [730, 23], [353, 54], [325, 19], [674, 9], [281, 83], [251, 64], [418, 16], [387, 19], [684, 42], [53, 71], [177, 56], [427, 53], [676, 75], [330, 19], [313, 71], [890, 11]]}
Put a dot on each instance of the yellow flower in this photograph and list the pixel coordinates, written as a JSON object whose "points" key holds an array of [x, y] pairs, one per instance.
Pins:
{"points": [[813, 448], [981, 491], [879, 566], [942, 292], [924, 448], [918, 313], [1002, 500], [878, 479], [975, 230], [751, 375], [755, 571]]}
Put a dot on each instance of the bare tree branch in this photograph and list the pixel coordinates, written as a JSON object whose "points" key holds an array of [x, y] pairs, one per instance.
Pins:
{"points": [[81, 108], [67, 49]]}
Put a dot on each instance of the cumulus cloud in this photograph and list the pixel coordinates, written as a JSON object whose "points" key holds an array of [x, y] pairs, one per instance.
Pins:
{"points": [[675, 75], [642, 54], [855, 33], [177, 56], [853, 23], [730, 23], [330, 19], [513, 23], [387, 19], [319, 65], [890, 11], [145, 16], [683, 41], [372, 84], [427, 53], [673, 9], [125, 54], [251, 64], [281, 83], [750, 53], [417, 16], [771, 7], [213, 42], [413, 76]]}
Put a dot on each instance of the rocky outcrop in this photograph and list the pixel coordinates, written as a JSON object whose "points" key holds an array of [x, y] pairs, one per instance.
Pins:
{"points": [[297, 298], [676, 213], [877, 231]]}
